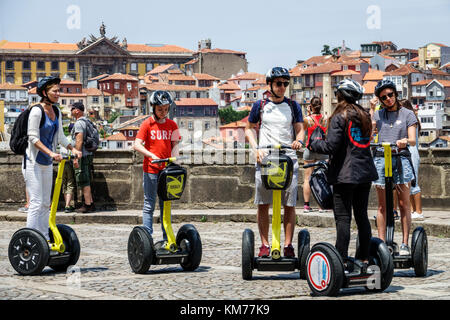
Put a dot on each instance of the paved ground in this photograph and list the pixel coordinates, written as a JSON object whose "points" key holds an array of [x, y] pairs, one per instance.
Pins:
{"points": [[105, 272]]}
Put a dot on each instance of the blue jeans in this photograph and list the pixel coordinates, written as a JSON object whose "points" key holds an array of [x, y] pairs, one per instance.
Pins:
{"points": [[150, 193], [407, 171]]}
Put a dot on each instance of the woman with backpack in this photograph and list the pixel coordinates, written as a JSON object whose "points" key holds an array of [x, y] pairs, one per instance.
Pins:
{"points": [[351, 169], [315, 124], [41, 152]]}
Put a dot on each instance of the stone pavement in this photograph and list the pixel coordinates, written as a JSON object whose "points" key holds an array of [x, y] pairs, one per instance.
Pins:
{"points": [[436, 223], [104, 272]]}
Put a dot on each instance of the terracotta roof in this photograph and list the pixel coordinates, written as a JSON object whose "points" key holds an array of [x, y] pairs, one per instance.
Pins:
{"points": [[116, 137], [131, 121], [161, 69], [221, 51], [316, 60], [416, 59], [446, 138], [119, 76], [172, 87], [245, 108], [205, 76], [32, 91], [175, 71], [369, 87], [439, 72], [67, 81], [237, 124], [422, 82], [348, 72], [179, 77], [247, 76], [129, 128], [195, 102], [374, 74], [11, 86], [191, 61], [445, 83], [404, 70], [324, 68], [229, 86], [99, 77]]}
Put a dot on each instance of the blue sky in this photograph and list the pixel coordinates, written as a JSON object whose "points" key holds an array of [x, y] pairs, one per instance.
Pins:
{"points": [[271, 32]]}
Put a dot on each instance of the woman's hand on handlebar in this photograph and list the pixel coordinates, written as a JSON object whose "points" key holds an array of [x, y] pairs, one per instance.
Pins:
{"points": [[78, 154], [56, 156], [402, 143], [296, 145], [260, 154]]}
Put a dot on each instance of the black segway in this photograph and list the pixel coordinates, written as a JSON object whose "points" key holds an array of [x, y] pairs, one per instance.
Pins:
{"points": [[326, 272], [29, 252], [276, 174], [185, 249], [419, 242]]}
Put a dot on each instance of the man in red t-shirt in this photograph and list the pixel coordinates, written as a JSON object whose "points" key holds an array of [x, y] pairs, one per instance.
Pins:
{"points": [[158, 138]]}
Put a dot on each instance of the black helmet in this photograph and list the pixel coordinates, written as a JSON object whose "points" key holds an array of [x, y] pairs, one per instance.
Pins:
{"points": [[44, 82], [384, 84], [350, 90], [277, 72], [160, 97]]}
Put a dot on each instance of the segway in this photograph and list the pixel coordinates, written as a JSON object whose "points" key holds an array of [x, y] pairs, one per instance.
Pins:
{"points": [[326, 272], [276, 174], [29, 252], [185, 249], [419, 243]]}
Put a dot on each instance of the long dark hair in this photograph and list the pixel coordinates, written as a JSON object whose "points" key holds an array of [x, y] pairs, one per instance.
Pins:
{"points": [[407, 104], [353, 112]]}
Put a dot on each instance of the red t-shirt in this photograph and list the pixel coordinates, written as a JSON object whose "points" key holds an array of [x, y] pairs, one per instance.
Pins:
{"points": [[157, 138]]}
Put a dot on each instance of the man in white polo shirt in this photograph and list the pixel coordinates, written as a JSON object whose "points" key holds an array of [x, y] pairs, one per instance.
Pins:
{"points": [[281, 123]]}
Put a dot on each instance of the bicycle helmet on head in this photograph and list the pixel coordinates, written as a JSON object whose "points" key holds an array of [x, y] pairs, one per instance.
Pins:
{"points": [[384, 84], [160, 97], [44, 82], [277, 72], [351, 90]]}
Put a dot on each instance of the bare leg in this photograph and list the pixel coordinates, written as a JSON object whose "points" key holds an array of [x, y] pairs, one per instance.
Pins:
{"points": [[405, 210], [289, 224], [381, 214], [263, 223]]}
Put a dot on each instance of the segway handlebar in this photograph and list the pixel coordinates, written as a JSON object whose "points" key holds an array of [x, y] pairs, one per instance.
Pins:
{"points": [[275, 146], [320, 163], [170, 160], [382, 144]]}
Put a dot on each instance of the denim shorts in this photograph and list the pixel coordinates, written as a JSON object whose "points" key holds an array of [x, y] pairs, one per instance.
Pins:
{"points": [[407, 171]]}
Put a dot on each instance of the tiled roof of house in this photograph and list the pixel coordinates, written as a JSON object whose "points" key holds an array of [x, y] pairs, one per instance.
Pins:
{"points": [[237, 124], [404, 70], [369, 87], [229, 86], [205, 76], [99, 77], [348, 72], [95, 92], [374, 74], [116, 137], [11, 86], [160, 69], [119, 76], [172, 87], [196, 102], [247, 76], [422, 82], [324, 68]]}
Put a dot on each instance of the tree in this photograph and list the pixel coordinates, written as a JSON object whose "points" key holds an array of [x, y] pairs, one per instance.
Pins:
{"points": [[326, 50], [228, 115]]}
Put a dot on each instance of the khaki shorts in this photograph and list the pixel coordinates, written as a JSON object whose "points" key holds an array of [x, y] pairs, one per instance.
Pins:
{"points": [[68, 179], [83, 174], [288, 196]]}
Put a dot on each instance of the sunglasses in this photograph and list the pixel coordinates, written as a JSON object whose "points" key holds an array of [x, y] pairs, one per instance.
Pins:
{"points": [[280, 83], [390, 95]]}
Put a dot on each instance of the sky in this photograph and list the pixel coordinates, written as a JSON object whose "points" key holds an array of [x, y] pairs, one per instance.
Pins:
{"points": [[272, 33]]}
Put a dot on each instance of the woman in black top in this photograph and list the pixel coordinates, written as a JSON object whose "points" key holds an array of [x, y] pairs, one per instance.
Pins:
{"points": [[351, 169]]}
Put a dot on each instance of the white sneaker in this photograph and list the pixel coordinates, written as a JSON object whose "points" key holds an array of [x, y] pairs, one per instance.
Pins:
{"points": [[404, 250], [23, 209], [417, 216]]}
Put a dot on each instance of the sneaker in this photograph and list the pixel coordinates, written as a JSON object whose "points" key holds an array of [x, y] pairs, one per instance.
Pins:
{"points": [[23, 209], [307, 209], [396, 216], [86, 208], [289, 251], [417, 216], [264, 251], [69, 209], [404, 250]]}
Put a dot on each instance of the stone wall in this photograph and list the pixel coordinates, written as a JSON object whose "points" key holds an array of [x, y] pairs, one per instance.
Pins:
{"points": [[214, 180]]}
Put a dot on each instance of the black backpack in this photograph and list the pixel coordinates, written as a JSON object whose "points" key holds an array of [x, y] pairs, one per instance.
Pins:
{"points": [[19, 135], [321, 190]]}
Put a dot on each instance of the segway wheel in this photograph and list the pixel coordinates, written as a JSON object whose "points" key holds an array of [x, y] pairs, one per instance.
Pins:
{"points": [[140, 250], [419, 252], [248, 253], [72, 246], [380, 256], [189, 233], [303, 251], [324, 270], [28, 251]]}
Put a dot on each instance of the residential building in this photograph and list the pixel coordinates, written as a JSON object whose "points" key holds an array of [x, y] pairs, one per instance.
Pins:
{"points": [[124, 90], [233, 134], [404, 55], [245, 80], [381, 62], [116, 141], [403, 78], [205, 80], [100, 103], [15, 100], [433, 55], [21, 62], [220, 63], [371, 49]]}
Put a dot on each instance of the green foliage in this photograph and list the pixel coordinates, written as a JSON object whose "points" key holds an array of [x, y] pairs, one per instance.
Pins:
{"points": [[113, 117], [228, 115]]}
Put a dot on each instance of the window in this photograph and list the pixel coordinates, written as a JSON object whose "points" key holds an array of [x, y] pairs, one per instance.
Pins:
{"points": [[129, 100], [116, 99], [107, 86], [358, 67], [438, 92], [207, 125], [26, 78], [129, 86], [106, 99], [9, 65], [190, 110], [117, 85], [120, 145], [12, 94], [71, 65], [55, 65], [95, 99], [130, 133], [40, 65], [149, 67], [188, 94], [198, 94], [22, 94], [26, 65], [63, 101], [190, 125], [345, 67], [133, 66], [10, 78], [71, 101], [104, 144]]}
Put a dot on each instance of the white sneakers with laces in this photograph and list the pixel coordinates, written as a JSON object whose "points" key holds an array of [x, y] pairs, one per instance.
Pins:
{"points": [[417, 216]]}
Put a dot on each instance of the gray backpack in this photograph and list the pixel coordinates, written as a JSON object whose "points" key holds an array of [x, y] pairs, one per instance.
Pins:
{"points": [[92, 139]]}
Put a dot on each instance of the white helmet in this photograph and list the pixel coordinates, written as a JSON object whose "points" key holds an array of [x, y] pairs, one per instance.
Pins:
{"points": [[351, 90]]}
